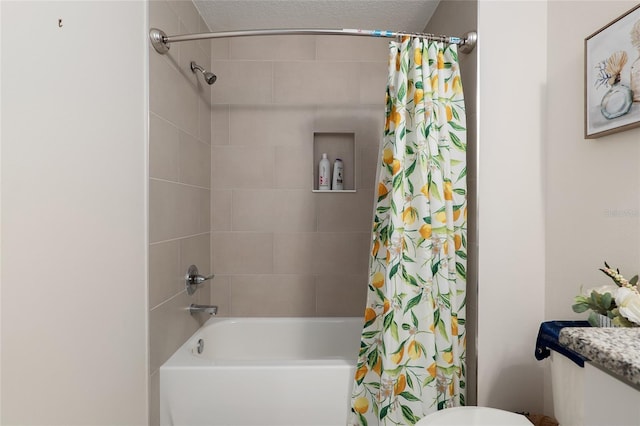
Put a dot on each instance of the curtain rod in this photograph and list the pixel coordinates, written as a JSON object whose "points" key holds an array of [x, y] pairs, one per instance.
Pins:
{"points": [[161, 41]]}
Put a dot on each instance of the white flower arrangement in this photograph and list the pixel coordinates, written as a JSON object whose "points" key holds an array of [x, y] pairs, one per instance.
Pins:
{"points": [[620, 302]]}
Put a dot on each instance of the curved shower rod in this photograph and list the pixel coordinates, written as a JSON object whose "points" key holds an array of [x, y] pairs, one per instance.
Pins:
{"points": [[161, 41]]}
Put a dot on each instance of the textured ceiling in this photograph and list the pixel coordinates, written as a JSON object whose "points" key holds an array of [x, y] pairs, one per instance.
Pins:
{"points": [[395, 15]]}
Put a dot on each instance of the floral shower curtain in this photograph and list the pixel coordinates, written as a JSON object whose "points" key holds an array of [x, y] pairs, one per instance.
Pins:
{"points": [[412, 354]]}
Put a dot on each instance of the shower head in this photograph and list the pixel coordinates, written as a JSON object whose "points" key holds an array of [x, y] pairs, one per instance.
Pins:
{"points": [[209, 77]]}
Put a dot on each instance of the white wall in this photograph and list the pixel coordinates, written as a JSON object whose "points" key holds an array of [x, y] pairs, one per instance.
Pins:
{"points": [[73, 144], [512, 86], [592, 192]]}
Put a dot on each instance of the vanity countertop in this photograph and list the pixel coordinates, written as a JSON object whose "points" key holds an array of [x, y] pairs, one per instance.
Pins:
{"points": [[616, 350]]}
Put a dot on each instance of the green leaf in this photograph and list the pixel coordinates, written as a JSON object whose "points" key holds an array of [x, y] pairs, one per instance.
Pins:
{"points": [[397, 181], [363, 420], [410, 169], [372, 358], [593, 319], [383, 412], [394, 331], [463, 173], [442, 329], [388, 319], [413, 302], [456, 141], [633, 280], [408, 396], [580, 307], [370, 334], [456, 126], [394, 270], [406, 327], [606, 301], [461, 270], [402, 91], [408, 414], [414, 319]]}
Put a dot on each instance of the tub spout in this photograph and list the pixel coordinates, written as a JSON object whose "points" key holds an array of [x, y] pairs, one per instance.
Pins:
{"points": [[207, 309]]}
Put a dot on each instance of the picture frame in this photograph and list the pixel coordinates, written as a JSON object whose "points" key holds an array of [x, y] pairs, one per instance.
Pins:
{"points": [[612, 77]]}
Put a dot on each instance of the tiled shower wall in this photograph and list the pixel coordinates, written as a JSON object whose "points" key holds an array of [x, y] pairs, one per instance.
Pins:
{"points": [[179, 184], [278, 249]]}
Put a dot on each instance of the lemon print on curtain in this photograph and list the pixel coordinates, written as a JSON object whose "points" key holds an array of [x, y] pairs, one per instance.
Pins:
{"points": [[412, 354]]}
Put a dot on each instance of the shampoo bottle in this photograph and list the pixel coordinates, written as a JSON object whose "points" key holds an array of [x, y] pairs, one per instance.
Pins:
{"points": [[324, 173], [338, 170]]}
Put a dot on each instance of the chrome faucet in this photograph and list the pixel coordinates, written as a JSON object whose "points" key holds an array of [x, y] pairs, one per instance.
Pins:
{"points": [[207, 309]]}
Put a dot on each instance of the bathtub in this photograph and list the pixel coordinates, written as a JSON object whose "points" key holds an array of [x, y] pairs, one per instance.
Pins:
{"points": [[262, 372]]}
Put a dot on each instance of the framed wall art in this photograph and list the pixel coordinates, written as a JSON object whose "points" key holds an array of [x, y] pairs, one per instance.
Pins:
{"points": [[612, 76]]}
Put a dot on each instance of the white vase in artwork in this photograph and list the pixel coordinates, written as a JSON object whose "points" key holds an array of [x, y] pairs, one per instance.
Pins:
{"points": [[616, 102]]}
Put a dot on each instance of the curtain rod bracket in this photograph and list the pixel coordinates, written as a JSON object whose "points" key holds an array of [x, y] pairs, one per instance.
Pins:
{"points": [[468, 42], [158, 40]]}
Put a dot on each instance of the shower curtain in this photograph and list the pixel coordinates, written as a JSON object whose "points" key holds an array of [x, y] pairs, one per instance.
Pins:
{"points": [[412, 353]]}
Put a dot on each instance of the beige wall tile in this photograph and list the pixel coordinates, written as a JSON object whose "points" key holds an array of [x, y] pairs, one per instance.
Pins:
{"points": [[341, 253], [172, 94], [340, 48], [221, 295], [242, 252], [271, 48], [273, 210], [163, 149], [177, 210], [221, 210], [293, 252], [219, 49], [254, 210], [220, 124], [162, 90], [204, 118], [166, 278], [242, 167], [242, 82], [373, 82], [345, 211], [195, 161], [315, 83], [195, 251], [270, 125], [272, 295], [163, 221], [341, 295], [170, 325], [294, 167], [186, 108]]}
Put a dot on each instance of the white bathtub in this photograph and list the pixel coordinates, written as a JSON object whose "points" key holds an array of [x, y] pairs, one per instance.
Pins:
{"points": [[262, 372]]}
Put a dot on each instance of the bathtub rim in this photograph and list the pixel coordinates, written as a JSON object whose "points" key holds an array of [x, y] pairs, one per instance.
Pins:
{"points": [[182, 358]]}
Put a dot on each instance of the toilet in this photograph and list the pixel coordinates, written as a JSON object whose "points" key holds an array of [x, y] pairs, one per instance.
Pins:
{"points": [[473, 416]]}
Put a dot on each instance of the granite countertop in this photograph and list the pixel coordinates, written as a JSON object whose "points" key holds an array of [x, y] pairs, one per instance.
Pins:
{"points": [[616, 350]]}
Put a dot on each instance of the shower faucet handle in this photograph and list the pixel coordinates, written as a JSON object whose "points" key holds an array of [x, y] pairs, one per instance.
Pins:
{"points": [[193, 279]]}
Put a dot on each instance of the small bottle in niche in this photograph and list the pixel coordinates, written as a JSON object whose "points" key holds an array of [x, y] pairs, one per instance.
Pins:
{"points": [[324, 173], [338, 170]]}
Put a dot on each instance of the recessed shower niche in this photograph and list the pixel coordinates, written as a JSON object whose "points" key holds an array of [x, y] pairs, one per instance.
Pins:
{"points": [[340, 145]]}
